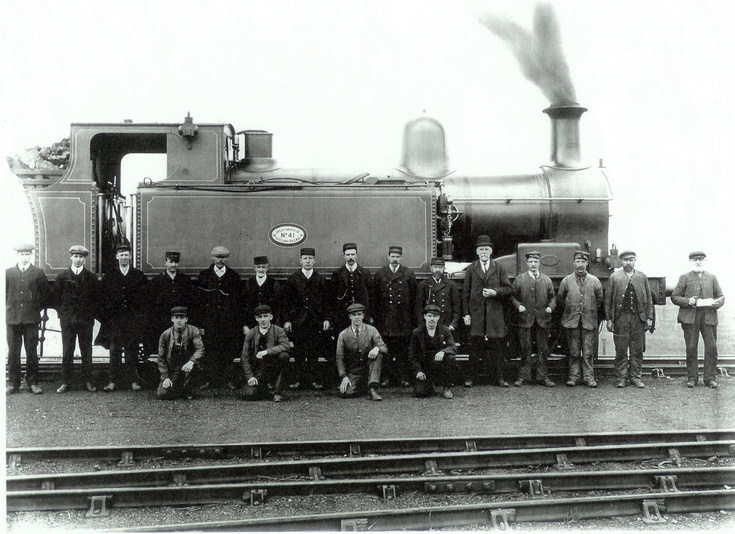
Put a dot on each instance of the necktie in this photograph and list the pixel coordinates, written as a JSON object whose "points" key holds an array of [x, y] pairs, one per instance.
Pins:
{"points": [[179, 339]]}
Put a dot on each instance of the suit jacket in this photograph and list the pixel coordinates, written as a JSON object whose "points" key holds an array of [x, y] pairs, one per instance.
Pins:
{"points": [[419, 342], [305, 299], [616, 287], [350, 288], [394, 300], [444, 294], [221, 303], [690, 285], [256, 295], [26, 294], [191, 341], [353, 350], [536, 294], [76, 297], [486, 313], [276, 341], [581, 298]]}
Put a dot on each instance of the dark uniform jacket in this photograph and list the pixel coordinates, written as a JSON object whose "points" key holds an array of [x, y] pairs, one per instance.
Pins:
{"points": [[349, 288], [394, 298], [536, 294], [305, 299], [276, 341], [191, 341], [690, 285], [256, 295], [616, 287], [76, 297], [582, 298], [444, 294], [221, 304], [124, 300], [26, 294], [486, 313], [420, 341], [167, 292]]}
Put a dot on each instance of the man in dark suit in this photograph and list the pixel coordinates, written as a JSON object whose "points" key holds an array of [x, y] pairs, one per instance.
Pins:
{"points": [[264, 357], [260, 290], [394, 289], [486, 286], [124, 297], [351, 284], [221, 318], [699, 296], [431, 354], [180, 349], [306, 314], [26, 294], [76, 297], [439, 290], [169, 289], [535, 299]]}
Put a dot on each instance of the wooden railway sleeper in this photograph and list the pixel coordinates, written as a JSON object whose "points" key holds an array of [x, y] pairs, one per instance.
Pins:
{"points": [[99, 506], [499, 518], [126, 459], [667, 484], [534, 487], [652, 511]]}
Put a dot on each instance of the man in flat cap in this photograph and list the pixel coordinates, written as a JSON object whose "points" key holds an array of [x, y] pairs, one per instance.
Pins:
{"points": [[264, 357], [306, 314], [535, 299], [169, 289], [439, 290], [360, 351], [220, 316], [76, 297], [486, 287], [394, 297], [124, 305], [26, 293], [180, 349], [431, 354], [699, 296], [628, 314], [350, 284], [260, 290], [581, 295]]}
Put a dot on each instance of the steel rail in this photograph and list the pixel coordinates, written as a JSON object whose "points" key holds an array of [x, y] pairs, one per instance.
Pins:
{"points": [[127, 454], [431, 463], [499, 514], [535, 484]]}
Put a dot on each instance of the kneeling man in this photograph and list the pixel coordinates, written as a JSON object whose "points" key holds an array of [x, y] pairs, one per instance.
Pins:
{"points": [[360, 351], [431, 355], [179, 349], [264, 357]]}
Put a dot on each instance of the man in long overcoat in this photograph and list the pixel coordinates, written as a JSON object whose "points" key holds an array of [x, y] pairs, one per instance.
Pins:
{"points": [[486, 286]]}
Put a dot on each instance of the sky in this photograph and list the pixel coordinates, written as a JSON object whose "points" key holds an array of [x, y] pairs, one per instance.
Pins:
{"points": [[335, 82]]}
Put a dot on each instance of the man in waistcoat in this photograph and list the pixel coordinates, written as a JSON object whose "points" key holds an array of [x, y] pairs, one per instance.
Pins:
{"points": [[264, 357], [439, 290], [180, 349]]}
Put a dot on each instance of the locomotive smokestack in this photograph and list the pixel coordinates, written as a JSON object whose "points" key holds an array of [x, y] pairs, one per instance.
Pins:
{"points": [[565, 147]]}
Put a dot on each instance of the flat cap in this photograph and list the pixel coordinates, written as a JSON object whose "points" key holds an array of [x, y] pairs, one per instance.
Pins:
{"points": [[626, 253], [260, 260], [308, 251], [78, 249], [263, 308], [396, 249], [24, 247], [356, 307], [697, 254], [582, 254], [432, 308], [220, 252], [180, 310], [438, 261], [533, 254], [173, 256], [349, 246], [123, 247], [483, 241]]}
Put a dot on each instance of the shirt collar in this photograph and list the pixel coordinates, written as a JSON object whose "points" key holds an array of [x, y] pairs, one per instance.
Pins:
{"points": [[76, 270], [220, 272], [124, 271], [23, 268], [307, 274]]}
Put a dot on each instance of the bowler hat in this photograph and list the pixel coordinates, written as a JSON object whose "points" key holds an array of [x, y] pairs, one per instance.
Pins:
{"points": [[533, 254], [220, 252], [626, 253], [260, 260], [697, 254], [395, 249], [483, 241], [263, 308], [173, 256], [349, 246], [582, 254], [78, 249], [356, 307], [432, 308], [180, 310], [308, 251], [24, 247]]}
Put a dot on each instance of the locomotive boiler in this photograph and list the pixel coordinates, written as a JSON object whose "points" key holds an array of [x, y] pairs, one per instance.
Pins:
{"points": [[224, 187]]}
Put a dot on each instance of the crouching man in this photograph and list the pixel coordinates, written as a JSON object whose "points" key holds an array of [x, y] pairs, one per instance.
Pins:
{"points": [[431, 355], [360, 351], [179, 349], [264, 357]]}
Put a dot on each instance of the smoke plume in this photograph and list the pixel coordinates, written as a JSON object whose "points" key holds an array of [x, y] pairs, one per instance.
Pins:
{"points": [[539, 52]]}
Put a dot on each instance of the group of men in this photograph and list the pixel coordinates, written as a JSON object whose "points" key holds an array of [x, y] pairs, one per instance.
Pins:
{"points": [[389, 328]]}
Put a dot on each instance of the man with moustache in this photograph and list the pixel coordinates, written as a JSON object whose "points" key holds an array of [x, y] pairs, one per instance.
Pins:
{"points": [[264, 357], [699, 296], [394, 290], [76, 296], [180, 348], [26, 294], [431, 354], [535, 299], [261, 290], [628, 314], [439, 290], [486, 286], [581, 295], [351, 284], [169, 289]]}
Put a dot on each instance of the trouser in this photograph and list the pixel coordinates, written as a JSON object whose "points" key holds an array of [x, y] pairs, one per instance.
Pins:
{"points": [[180, 385], [269, 372], [492, 350], [629, 334], [395, 365], [691, 339], [364, 375], [525, 338], [17, 335], [581, 352], [437, 373], [126, 371], [70, 332]]}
